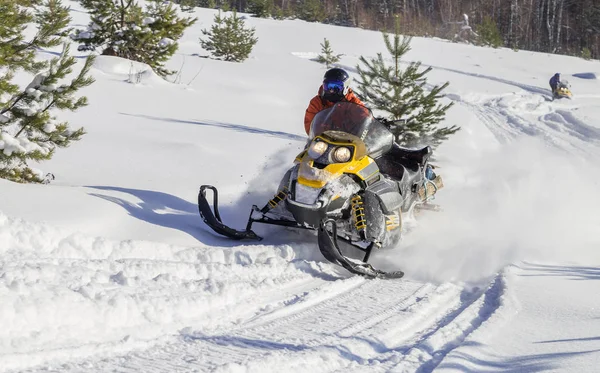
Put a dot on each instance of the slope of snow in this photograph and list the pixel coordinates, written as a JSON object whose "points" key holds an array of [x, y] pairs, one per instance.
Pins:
{"points": [[110, 268]]}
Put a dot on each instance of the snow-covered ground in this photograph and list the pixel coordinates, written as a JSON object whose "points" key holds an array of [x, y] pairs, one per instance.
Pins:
{"points": [[110, 268]]}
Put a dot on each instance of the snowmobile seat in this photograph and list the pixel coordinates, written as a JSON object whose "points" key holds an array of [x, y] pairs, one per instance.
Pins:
{"points": [[419, 156], [398, 159]]}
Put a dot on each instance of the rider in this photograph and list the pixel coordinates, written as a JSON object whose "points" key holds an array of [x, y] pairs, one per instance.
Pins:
{"points": [[554, 82], [335, 88]]}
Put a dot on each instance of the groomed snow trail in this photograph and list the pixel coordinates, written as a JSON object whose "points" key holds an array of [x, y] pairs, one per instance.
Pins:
{"points": [[74, 302], [352, 324]]}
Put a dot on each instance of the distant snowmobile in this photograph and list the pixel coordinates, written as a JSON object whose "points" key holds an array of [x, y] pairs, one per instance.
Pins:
{"points": [[563, 90], [351, 183]]}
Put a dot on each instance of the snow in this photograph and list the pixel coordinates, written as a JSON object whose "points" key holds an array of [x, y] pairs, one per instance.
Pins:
{"points": [[148, 21], [165, 42], [110, 268], [84, 35], [127, 70], [35, 93], [10, 145], [49, 126]]}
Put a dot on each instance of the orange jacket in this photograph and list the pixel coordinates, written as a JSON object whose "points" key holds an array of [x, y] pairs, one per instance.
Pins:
{"points": [[318, 103]]}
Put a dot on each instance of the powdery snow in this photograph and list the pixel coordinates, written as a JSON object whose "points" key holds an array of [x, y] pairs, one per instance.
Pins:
{"points": [[110, 268]]}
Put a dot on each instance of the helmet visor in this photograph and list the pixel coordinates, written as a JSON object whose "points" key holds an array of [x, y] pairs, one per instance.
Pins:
{"points": [[333, 86]]}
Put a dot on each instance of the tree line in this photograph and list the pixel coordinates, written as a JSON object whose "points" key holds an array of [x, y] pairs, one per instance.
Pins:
{"points": [[555, 26]]}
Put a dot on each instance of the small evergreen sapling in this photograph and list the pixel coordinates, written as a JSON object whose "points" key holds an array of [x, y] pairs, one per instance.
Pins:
{"points": [[402, 95], [229, 39], [28, 130], [327, 56]]}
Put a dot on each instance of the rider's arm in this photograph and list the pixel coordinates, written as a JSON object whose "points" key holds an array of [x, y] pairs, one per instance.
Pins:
{"points": [[351, 96], [314, 107]]}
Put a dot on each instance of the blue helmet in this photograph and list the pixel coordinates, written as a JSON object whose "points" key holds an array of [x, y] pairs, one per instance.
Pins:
{"points": [[336, 84]]}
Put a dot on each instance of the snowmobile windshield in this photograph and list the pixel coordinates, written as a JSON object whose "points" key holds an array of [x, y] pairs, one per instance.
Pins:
{"points": [[356, 120]]}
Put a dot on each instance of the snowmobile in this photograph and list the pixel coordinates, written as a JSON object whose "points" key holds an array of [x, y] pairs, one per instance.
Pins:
{"points": [[563, 90], [352, 184]]}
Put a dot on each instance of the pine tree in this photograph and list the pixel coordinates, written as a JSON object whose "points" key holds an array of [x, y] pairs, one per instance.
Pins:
{"points": [[28, 130], [260, 8], [127, 30], [586, 54], [402, 95], [327, 56], [311, 11], [228, 39], [489, 33]]}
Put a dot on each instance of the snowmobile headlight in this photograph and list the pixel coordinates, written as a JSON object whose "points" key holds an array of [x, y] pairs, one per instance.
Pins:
{"points": [[317, 148], [342, 154]]}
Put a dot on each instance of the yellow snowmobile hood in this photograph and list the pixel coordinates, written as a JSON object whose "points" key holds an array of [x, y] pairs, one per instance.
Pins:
{"points": [[361, 165]]}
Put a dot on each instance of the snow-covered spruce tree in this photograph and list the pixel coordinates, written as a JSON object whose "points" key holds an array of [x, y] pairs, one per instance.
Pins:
{"points": [[229, 39], [28, 130], [123, 28], [403, 94], [327, 56]]}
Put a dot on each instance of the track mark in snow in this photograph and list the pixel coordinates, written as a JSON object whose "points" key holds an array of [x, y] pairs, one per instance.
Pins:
{"points": [[368, 326], [565, 121], [493, 121], [511, 116], [386, 313], [427, 353], [306, 302]]}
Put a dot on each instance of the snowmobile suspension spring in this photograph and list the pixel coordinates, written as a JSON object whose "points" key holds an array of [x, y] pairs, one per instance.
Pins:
{"points": [[280, 196], [435, 188], [359, 213]]}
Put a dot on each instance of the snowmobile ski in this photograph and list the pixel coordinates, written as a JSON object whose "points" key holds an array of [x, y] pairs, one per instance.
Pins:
{"points": [[328, 244], [213, 218]]}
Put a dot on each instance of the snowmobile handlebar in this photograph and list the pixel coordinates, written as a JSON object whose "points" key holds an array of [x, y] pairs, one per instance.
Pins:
{"points": [[394, 126], [392, 123]]}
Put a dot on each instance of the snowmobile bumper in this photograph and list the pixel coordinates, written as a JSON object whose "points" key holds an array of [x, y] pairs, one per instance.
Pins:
{"points": [[310, 215]]}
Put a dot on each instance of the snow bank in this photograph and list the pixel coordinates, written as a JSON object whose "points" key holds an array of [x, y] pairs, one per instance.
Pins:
{"points": [[68, 290], [306, 55], [128, 70]]}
